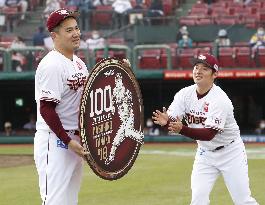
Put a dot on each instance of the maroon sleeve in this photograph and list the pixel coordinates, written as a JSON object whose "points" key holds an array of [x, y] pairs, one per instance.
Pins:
{"points": [[203, 134], [47, 111]]}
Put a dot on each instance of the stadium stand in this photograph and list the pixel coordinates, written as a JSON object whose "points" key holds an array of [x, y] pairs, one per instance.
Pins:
{"points": [[151, 63]]}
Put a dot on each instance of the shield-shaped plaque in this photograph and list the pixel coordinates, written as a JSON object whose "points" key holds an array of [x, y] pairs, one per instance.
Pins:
{"points": [[111, 118]]}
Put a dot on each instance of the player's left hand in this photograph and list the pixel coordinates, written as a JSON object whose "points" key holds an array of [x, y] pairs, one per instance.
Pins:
{"points": [[175, 126], [77, 148], [160, 118]]}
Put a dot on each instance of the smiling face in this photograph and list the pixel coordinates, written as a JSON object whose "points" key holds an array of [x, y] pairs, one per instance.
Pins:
{"points": [[203, 76], [66, 36]]}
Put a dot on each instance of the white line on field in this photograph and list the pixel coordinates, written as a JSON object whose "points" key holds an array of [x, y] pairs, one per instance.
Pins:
{"points": [[258, 153]]}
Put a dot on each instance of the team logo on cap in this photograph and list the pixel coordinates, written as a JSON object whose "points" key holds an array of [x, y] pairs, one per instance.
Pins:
{"points": [[202, 57], [215, 67], [63, 12]]}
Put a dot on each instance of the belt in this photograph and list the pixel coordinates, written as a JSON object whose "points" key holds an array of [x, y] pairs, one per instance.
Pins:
{"points": [[221, 147], [75, 132]]}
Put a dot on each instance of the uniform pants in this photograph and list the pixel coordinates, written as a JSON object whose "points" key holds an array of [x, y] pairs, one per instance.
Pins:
{"points": [[231, 163], [59, 169]]}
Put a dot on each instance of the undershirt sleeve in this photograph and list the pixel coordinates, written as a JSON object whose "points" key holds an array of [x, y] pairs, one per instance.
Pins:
{"points": [[203, 134], [47, 111]]}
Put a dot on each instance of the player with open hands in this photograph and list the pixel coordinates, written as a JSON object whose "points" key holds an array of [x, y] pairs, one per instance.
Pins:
{"points": [[209, 119], [162, 119]]}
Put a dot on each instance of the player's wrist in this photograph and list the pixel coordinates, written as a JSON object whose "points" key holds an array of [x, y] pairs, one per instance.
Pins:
{"points": [[65, 138]]}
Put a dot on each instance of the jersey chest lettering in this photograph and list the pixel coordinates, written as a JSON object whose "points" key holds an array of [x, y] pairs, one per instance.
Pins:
{"points": [[76, 80], [193, 119], [197, 114]]}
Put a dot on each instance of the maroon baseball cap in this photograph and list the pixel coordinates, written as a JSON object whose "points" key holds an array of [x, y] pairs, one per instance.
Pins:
{"points": [[207, 59], [56, 17]]}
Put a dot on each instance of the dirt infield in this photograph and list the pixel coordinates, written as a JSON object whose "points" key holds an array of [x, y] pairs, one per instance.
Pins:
{"points": [[15, 160]]}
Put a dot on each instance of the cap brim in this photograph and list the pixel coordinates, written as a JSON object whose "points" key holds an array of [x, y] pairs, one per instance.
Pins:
{"points": [[195, 61]]}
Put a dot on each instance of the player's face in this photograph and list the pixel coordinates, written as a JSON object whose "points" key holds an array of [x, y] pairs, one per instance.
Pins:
{"points": [[68, 35], [203, 76]]}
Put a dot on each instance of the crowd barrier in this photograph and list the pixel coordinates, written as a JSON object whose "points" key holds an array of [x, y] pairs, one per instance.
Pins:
{"points": [[33, 55]]}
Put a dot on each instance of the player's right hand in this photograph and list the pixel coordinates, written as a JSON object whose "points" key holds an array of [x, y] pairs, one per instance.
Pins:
{"points": [[77, 148], [160, 118]]}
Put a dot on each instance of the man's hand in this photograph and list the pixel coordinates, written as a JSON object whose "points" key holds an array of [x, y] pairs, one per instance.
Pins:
{"points": [[77, 148], [160, 118], [175, 126]]}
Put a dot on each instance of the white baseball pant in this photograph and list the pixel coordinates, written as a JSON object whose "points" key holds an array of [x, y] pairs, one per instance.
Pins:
{"points": [[231, 163], [59, 169]]}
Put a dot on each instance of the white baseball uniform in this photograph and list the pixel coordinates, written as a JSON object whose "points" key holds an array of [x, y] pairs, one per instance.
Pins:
{"points": [[225, 154], [60, 80]]}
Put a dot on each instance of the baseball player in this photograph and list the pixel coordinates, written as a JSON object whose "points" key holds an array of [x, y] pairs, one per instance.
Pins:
{"points": [[59, 82], [205, 113]]}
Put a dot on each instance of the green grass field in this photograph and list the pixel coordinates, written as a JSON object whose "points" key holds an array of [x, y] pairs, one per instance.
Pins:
{"points": [[160, 176]]}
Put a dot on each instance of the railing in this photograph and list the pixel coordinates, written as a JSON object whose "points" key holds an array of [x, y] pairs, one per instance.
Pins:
{"points": [[106, 49], [167, 59], [3, 57], [32, 55]]}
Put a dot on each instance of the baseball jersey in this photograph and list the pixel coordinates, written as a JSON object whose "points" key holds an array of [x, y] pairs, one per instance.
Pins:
{"points": [[214, 110], [60, 80]]}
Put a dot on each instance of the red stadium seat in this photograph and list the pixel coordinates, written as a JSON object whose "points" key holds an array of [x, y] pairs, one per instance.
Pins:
{"points": [[262, 15], [226, 57], [205, 44], [149, 59], [251, 20], [185, 55], [200, 5], [244, 58], [187, 21], [218, 4], [199, 11], [204, 21], [241, 43], [257, 4], [102, 16], [206, 49], [100, 55], [115, 41], [219, 11], [252, 9], [235, 5], [226, 21], [238, 11], [261, 57]]}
